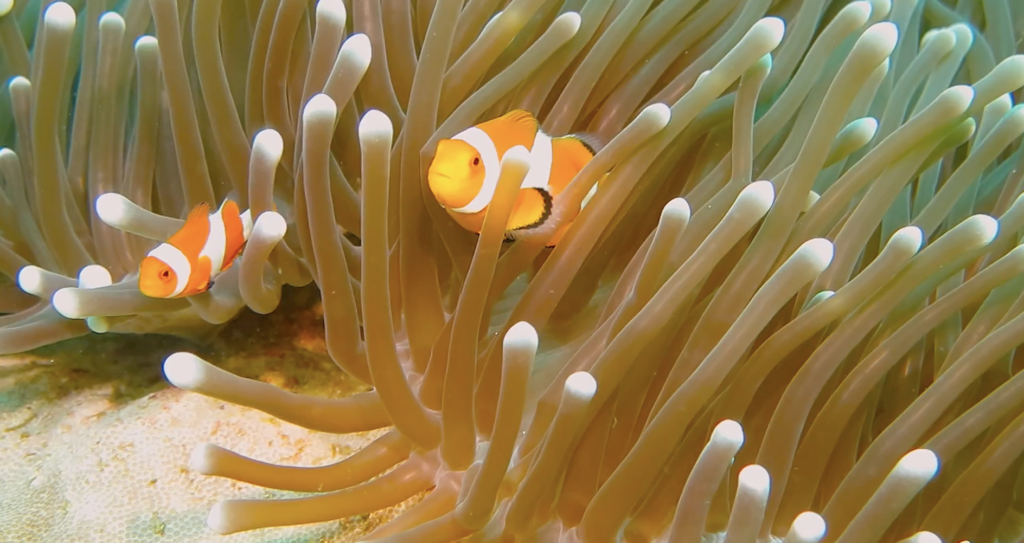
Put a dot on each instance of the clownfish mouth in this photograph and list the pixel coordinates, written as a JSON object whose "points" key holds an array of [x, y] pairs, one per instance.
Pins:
{"points": [[439, 195]]}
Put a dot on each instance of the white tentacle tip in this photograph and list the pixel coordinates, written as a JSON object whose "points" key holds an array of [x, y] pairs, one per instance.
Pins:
{"points": [[99, 325], [112, 208], [927, 537], [819, 252], [774, 26], [862, 8], [94, 276], [320, 105], [358, 45], [581, 385], [272, 225], [884, 6], [761, 193], [676, 209], [203, 458], [145, 42], [911, 235], [818, 298], [521, 334], [375, 124], [569, 20], [185, 370], [1014, 63], [963, 33], [869, 124], [755, 478], [331, 10], [808, 527], [812, 198], [960, 96], [658, 113], [728, 431], [985, 225], [111, 20], [863, 129], [269, 141], [1002, 102], [884, 31], [66, 302], [6, 6], [30, 279], [220, 518], [59, 16], [18, 82], [919, 464]]}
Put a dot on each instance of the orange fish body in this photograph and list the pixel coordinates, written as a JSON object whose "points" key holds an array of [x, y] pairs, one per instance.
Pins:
{"points": [[205, 247], [464, 172]]}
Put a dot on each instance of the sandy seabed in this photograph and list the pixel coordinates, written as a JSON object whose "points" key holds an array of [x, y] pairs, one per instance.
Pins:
{"points": [[94, 445]]}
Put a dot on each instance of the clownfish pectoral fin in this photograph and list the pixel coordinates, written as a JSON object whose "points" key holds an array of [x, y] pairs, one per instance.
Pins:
{"points": [[532, 208], [200, 279], [521, 117]]}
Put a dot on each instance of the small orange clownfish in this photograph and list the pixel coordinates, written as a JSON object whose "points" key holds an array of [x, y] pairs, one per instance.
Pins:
{"points": [[464, 173], [205, 247]]}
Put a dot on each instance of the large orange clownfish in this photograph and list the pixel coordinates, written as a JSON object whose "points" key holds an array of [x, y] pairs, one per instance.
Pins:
{"points": [[205, 247], [464, 173]]}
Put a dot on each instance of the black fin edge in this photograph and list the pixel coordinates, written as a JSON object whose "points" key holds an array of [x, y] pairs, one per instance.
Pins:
{"points": [[589, 142], [512, 235]]}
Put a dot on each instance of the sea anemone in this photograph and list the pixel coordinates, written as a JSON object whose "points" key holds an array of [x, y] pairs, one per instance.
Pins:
{"points": [[798, 289], [64, 228]]}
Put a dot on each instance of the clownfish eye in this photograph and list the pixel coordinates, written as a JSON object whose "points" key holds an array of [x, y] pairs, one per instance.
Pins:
{"points": [[476, 161], [165, 274]]}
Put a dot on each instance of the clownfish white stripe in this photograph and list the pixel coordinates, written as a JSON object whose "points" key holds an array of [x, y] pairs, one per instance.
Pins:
{"points": [[178, 262], [492, 167], [246, 218], [541, 156], [216, 243]]}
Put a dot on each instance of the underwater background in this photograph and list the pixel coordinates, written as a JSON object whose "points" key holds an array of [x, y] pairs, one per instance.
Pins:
{"points": [[790, 308]]}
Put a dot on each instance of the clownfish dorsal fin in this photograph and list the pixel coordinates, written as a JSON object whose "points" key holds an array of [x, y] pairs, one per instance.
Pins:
{"points": [[198, 213], [521, 117], [590, 141]]}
